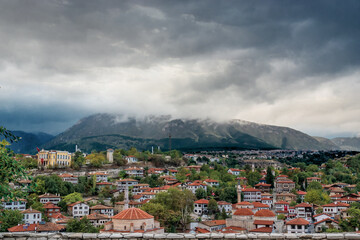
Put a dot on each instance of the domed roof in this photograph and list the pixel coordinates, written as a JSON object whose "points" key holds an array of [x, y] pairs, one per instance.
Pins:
{"points": [[132, 214], [264, 213], [244, 212]]}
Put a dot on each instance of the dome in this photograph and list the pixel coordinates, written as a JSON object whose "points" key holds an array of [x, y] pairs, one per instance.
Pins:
{"points": [[132, 214]]}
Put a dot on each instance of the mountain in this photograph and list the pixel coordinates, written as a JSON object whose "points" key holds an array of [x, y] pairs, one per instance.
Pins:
{"points": [[29, 141], [329, 144], [101, 131], [348, 143]]}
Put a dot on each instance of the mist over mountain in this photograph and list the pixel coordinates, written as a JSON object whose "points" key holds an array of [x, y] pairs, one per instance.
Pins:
{"points": [[101, 131]]}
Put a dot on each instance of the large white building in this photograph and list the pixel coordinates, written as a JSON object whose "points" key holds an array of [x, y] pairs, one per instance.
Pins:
{"points": [[252, 195], [48, 197], [78, 209], [31, 216], [19, 204]]}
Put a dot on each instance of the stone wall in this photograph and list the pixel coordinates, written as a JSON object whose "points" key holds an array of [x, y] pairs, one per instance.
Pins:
{"points": [[140, 236]]}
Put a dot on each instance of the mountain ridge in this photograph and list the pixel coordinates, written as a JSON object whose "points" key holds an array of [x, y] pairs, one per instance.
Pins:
{"points": [[105, 130]]}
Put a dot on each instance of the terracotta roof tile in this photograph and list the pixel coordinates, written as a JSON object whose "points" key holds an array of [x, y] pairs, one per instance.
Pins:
{"points": [[262, 230], [264, 213], [297, 221], [243, 212], [132, 214]]}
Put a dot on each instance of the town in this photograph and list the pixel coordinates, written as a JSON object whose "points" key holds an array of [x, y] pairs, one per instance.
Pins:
{"points": [[129, 191]]}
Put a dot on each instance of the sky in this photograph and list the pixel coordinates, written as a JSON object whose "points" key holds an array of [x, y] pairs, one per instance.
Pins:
{"points": [[286, 63]]}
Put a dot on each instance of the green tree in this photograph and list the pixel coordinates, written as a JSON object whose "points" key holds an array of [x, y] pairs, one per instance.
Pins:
{"points": [[11, 170], [281, 217], [82, 225], [213, 207], [96, 159], [314, 186], [269, 177], [78, 160], [179, 204], [73, 197], [200, 193], [10, 218], [317, 197]]}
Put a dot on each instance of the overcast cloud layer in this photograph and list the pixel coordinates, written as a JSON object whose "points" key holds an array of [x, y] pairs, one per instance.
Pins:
{"points": [[290, 63]]}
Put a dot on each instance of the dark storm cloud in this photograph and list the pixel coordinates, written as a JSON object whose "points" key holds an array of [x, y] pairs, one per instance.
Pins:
{"points": [[179, 55]]}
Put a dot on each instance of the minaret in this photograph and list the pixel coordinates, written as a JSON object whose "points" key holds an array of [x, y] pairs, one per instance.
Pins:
{"points": [[239, 191], [126, 205], [253, 167]]}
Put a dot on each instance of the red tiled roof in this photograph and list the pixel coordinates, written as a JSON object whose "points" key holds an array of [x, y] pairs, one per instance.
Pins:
{"points": [[223, 203], [263, 222], [103, 183], [127, 180], [260, 205], [30, 211], [243, 212], [297, 221], [262, 230], [251, 190], [244, 203], [96, 207], [64, 175], [98, 173], [49, 205], [201, 230], [49, 195], [282, 203], [97, 216], [339, 204], [301, 193], [202, 201], [210, 180], [321, 214], [303, 205], [214, 222], [47, 227], [132, 214], [264, 213], [326, 219], [263, 184]]}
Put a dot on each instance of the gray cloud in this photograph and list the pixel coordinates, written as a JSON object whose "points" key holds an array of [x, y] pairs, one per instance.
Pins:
{"points": [[260, 61]]}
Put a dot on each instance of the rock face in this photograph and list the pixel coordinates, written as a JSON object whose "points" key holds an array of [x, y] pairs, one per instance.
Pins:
{"points": [[101, 131]]}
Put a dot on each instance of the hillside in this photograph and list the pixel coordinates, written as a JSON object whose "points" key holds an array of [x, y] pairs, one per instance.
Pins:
{"points": [[348, 143], [101, 131]]}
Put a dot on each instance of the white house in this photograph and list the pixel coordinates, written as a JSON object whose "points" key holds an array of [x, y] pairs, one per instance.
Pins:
{"points": [[200, 207], [305, 211], [131, 159], [127, 182], [195, 186], [69, 178], [226, 206], [211, 182], [97, 219], [100, 176], [31, 216], [105, 210], [48, 197], [297, 225], [234, 171], [334, 209], [321, 216], [267, 201], [252, 195], [135, 172], [326, 223], [19, 204], [78, 209]]}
